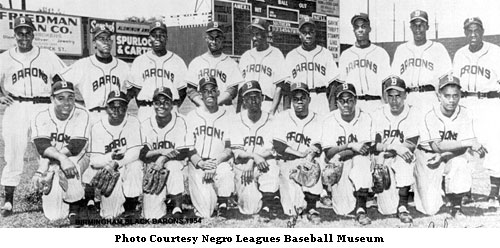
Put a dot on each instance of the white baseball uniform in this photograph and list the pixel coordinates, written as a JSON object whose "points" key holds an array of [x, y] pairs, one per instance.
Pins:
{"points": [[356, 172], [105, 138], [25, 75], [479, 72], [172, 136], [457, 171], [419, 66], [208, 133], [150, 72], [254, 138], [317, 69], [267, 68], [365, 68], [298, 134], [46, 125]]}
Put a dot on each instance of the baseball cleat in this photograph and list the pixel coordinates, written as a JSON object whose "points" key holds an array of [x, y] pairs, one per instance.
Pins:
{"points": [[268, 213], [362, 218], [222, 210], [493, 204], [403, 215], [457, 213], [313, 216], [177, 213], [7, 209]]}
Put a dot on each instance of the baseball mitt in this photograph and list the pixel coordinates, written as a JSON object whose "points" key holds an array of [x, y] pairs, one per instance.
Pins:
{"points": [[105, 179], [307, 173], [43, 181], [154, 180], [332, 173], [381, 178]]}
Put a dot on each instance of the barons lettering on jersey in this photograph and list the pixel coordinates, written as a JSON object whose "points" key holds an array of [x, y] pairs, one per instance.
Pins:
{"points": [[29, 72], [448, 135], [163, 145], [213, 73], [114, 144], [394, 134], [298, 138], [361, 63], [253, 141], [350, 139], [59, 137], [309, 66], [258, 68], [160, 73], [108, 79], [475, 70], [208, 131], [416, 62]]}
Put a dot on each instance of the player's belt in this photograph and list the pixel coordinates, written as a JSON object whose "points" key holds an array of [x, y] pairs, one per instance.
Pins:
{"points": [[266, 98], [318, 90], [35, 100], [422, 88], [97, 109], [491, 94], [369, 97], [144, 103]]}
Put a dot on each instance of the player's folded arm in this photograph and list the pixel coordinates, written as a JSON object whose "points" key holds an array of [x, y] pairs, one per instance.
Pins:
{"points": [[76, 145], [285, 150], [41, 144], [131, 155], [225, 155], [100, 160], [182, 95], [228, 95], [133, 91], [342, 150]]}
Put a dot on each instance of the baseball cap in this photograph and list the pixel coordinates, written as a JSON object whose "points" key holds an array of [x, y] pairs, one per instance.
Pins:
{"points": [[116, 95], [345, 87], [419, 14], [306, 20], [99, 29], [164, 91], [473, 20], [23, 21], [250, 86], [394, 82], [157, 25], [62, 86], [362, 16], [214, 26], [260, 24], [299, 86], [206, 81], [448, 79]]}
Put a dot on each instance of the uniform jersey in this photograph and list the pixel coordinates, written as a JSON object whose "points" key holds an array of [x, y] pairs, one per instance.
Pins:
{"points": [[172, 136], [223, 68], [252, 137], [296, 133], [208, 132], [421, 65], [315, 68], [266, 67], [337, 132], [438, 127], [95, 80], [479, 71], [365, 68], [104, 138], [390, 129], [29, 74], [150, 72]]}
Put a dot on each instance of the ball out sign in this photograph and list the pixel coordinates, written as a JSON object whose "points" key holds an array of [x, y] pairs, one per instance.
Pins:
{"points": [[132, 39], [61, 34]]}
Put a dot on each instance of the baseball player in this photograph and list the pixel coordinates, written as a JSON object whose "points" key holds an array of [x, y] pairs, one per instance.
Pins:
{"points": [[397, 138], [60, 134], [214, 63], [211, 178], [256, 171], [99, 74], [447, 146], [26, 73], [163, 135], [154, 69], [477, 67], [313, 65], [297, 135], [265, 64], [420, 62], [365, 65], [346, 135], [115, 140]]}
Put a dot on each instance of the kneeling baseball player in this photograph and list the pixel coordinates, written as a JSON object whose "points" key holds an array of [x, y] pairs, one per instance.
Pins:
{"points": [[448, 144], [60, 136], [164, 139], [115, 168]]}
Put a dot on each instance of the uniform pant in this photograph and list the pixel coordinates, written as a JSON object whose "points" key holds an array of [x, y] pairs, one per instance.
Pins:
{"points": [[428, 198], [250, 195], [153, 205], [369, 106], [423, 101], [319, 103]]}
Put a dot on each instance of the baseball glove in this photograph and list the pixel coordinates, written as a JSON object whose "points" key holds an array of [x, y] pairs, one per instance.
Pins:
{"points": [[307, 173], [154, 180], [332, 173], [381, 178], [105, 179], [43, 181]]}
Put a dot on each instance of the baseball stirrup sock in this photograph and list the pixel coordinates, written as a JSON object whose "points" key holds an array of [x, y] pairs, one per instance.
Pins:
{"points": [[177, 200], [130, 203], [404, 193], [495, 185], [361, 198], [9, 194], [311, 200]]}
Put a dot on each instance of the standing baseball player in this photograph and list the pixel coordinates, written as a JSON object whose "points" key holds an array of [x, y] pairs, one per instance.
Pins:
{"points": [[420, 62], [163, 135], [26, 73], [154, 69], [256, 172], [296, 136], [60, 134], [211, 177], [447, 147], [346, 135], [396, 137], [477, 67], [214, 63], [115, 145], [313, 65], [365, 65], [265, 64]]}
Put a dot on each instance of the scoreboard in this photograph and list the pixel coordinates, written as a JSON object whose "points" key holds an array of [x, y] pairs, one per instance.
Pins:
{"points": [[283, 17]]}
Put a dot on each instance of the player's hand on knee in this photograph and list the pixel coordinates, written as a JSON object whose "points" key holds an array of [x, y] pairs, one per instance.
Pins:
{"points": [[361, 148], [159, 163], [207, 164], [170, 153], [118, 154], [434, 161], [209, 176], [261, 163], [6, 100], [247, 172], [36, 181], [403, 152], [479, 149], [69, 168]]}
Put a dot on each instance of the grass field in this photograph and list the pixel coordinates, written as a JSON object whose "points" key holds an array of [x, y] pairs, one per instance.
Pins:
{"points": [[28, 213]]}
